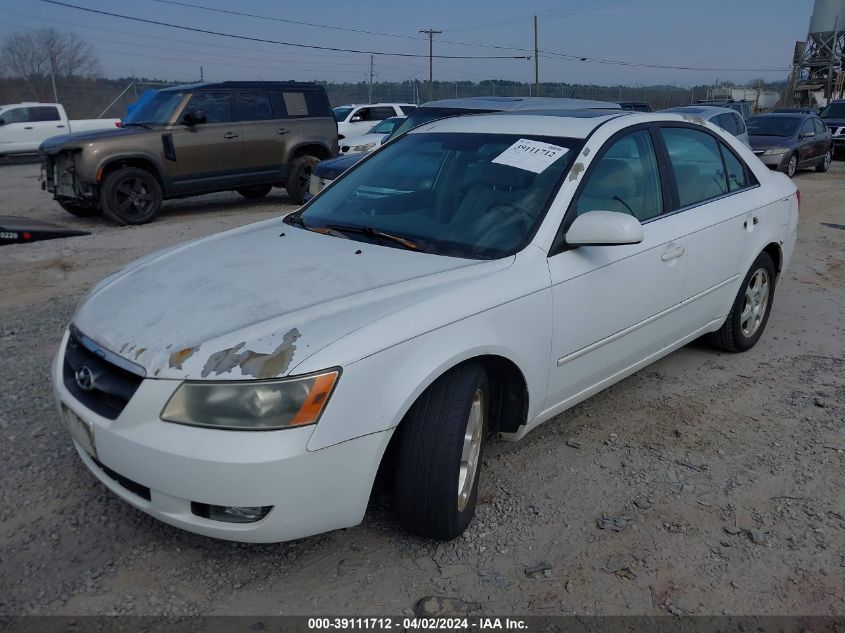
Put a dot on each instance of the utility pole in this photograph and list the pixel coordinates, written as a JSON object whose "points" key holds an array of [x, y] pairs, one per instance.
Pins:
{"points": [[536, 60], [53, 79], [431, 33], [202, 77], [370, 91]]}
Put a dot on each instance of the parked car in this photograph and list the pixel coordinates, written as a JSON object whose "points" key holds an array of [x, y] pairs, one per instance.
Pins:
{"points": [[24, 126], [634, 106], [477, 275], [372, 139], [244, 136], [328, 170], [834, 117], [789, 142], [742, 106], [354, 120], [727, 119], [813, 111]]}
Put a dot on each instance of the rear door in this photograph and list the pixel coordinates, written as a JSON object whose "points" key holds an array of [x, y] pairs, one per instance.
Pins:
{"points": [[208, 154], [807, 144], [823, 137], [265, 136]]}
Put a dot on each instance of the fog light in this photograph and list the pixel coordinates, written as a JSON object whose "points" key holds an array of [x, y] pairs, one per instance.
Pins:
{"points": [[230, 514]]}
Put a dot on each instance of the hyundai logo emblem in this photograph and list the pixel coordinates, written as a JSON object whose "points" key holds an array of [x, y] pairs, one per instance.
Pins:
{"points": [[84, 378]]}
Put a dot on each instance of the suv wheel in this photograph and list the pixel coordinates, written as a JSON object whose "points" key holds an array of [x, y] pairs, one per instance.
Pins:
{"points": [[440, 450], [255, 192], [299, 177], [130, 196], [79, 210]]}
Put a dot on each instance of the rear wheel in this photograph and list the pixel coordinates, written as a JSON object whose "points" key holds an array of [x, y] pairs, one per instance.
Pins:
{"points": [[440, 449], [130, 196], [824, 165], [750, 311], [299, 177], [255, 192], [79, 210]]}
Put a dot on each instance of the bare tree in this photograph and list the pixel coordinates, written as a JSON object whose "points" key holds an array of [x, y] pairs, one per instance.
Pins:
{"points": [[35, 55]]}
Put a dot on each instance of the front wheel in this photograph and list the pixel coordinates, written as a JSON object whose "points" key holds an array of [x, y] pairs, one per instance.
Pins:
{"points": [[824, 165], [791, 166], [79, 210], [299, 177], [750, 311], [130, 196], [440, 448]]}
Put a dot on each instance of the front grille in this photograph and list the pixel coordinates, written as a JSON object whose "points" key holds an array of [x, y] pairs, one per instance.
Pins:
{"points": [[111, 387]]}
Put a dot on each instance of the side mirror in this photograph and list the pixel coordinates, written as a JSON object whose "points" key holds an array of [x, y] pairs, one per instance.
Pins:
{"points": [[604, 228], [355, 119], [194, 117]]}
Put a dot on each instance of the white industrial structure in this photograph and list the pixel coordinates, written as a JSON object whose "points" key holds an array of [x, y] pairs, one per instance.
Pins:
{"points": [[818, 74]]}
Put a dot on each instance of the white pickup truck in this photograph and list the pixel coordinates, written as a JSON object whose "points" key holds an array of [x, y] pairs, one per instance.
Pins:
{"points": [[24, 126]]}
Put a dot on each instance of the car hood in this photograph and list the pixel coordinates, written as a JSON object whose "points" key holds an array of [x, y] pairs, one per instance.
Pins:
{"points": [[66, 141], [360, 140], [834, 123], [256, 301], [765, 142], [334, 167]]}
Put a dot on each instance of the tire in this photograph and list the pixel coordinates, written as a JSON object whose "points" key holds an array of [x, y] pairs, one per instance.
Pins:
{"points": [[299, 177], [791, 167], [255, 192], [440, 453], [130, 196], [750, 311], [79, 210], [824, 164]]}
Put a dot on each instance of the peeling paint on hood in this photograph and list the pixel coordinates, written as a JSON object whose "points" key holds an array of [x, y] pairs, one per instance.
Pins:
{"points": [[250, 303]]}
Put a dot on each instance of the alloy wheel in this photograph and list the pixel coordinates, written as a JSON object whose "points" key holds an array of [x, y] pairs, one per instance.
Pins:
{"points": [[471, 451], [756, 301], [133, 197], [793, 166]]}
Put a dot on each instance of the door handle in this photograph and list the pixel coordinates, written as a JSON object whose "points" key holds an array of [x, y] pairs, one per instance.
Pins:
{"points": [[282, 130], [231, 135], [60, 126], [29, 127], [672, 253]]}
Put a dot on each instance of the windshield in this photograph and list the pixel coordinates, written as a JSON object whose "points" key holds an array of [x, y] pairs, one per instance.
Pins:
{"points": [[772, 125], [341, 113], [157, 109], [451, 194], [834, 111], [424, 115], [385, 127]]}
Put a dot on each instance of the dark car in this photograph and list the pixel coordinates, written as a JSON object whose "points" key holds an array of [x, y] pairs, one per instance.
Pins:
{"points": [[328, 170], [742, 106], [813, 111], [834, 118], [244, 136], [634, 106], [789, 142]]}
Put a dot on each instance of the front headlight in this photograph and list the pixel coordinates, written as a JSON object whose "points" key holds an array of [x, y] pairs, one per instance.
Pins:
{"points": [[364, 147], [251, 405], [776, 151]]}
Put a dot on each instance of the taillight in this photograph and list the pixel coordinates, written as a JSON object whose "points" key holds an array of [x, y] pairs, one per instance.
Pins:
{"points": [[118, 124], [798, 197]]}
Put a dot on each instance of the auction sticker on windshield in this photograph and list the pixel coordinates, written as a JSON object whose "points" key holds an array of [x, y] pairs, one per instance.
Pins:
{"points": [[530, 155]]}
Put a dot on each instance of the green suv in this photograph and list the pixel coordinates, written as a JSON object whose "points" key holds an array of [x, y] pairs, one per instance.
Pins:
{"points": [[188, 140]]}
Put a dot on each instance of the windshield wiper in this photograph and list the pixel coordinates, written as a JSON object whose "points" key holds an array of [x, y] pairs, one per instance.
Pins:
{"points": [[370, 231], [296, 218]]}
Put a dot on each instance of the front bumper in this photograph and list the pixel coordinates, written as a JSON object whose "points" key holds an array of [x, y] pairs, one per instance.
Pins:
{"points": [[163, 468], [60, 177], [775, 161]]}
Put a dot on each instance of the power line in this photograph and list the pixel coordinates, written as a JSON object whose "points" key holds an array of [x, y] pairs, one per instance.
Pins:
{"points": [[599, 60], [268, 41]]}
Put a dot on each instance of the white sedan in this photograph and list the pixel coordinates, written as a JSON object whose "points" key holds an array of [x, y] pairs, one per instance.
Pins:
{"points": [[476, 276]]}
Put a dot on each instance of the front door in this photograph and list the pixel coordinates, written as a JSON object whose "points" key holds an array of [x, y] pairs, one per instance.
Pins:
{"points": [[614, 306], [208, 152]]}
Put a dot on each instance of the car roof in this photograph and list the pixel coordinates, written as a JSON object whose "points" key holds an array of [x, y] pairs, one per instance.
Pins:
{"points": [[245, 85], [786, 115], [386, 103], [512, 104], [701, 110]]}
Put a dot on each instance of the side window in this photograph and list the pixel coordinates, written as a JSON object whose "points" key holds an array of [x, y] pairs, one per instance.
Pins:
{"points": [[821, 128], [740, 124], [216, 106], [807, 129], [317, 104], [380, 114], [16, 115], [407, 109], [625, 179], [295, 104], [726, 122], [697, 164], [44, 113], [253, 106], [364, 114], [738, 177]]}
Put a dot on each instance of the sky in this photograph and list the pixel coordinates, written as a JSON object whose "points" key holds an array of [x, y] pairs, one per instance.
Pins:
{"points": [[734, 40]]}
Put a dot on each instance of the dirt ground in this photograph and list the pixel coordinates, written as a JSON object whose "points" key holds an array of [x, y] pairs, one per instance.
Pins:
{"points": [[707, 483]]}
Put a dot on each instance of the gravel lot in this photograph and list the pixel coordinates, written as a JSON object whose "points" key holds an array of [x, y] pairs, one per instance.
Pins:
{"points": [[707, 483]]}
